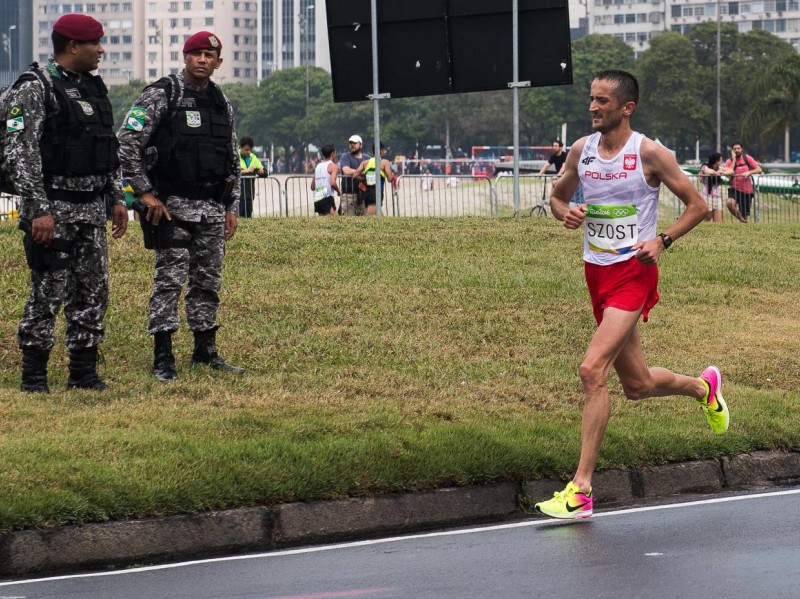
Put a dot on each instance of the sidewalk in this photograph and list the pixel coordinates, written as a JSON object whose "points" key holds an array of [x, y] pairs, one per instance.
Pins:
{"points": [[122, 543]]}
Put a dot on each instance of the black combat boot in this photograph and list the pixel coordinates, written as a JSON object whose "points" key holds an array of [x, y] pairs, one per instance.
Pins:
{"points": [[83, 370], [34, 370], [163, 360], [205, 352]]}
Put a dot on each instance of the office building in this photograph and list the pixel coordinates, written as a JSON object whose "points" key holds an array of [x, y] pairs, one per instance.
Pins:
{"points": [[15, 38], [292, 33], [144, 38], [636, 22]]}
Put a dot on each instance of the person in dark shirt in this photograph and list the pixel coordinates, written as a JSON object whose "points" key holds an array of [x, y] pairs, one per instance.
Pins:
{"points": [[351, 199], [557, 159]]}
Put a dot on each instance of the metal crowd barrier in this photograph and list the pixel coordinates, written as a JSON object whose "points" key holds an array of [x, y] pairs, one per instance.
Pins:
{"points": [[410, 195], [776, 197], [534, 194], [443, 195], [9, 207], [261, 196]]}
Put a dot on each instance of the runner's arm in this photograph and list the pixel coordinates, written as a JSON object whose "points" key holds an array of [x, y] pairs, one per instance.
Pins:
{"points": [[562, 193], [660, 166], [333, 171]]}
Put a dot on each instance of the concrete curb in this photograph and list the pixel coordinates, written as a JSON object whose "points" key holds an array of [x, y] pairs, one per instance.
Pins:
{"points": [[121, 543]]}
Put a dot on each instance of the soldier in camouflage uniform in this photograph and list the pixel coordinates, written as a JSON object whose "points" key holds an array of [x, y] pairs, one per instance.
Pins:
{"points": [[178, 151], [61, 156]]}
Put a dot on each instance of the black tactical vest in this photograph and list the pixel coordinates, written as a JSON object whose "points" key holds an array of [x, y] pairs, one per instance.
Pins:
{"points": [[79, 139], [193, 142]]}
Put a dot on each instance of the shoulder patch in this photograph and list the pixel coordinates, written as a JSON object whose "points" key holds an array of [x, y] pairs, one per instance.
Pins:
{"points": [[135, 119], [15, 120]]}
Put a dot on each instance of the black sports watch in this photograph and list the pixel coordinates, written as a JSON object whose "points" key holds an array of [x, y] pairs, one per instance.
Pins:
{"points": [[666, 239]]}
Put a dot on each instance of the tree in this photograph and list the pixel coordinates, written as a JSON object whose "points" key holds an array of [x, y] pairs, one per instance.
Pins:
{"points": [[122, 98], [742, 58], [591, 54], [776, 105], [671, 92]]}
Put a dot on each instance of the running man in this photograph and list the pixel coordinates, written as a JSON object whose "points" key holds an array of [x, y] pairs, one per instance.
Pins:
{"points": [[621, 172]]}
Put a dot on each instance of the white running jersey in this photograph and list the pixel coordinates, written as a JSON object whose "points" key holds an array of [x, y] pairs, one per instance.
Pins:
{"points": [[322, 181], [622, 209]]}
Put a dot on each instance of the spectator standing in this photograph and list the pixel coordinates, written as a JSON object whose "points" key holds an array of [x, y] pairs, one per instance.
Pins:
{"points": [[326, 175], [61, 156], [369, 170], [351, 200], [251, 168], [193, 186], [710, 180], [740, 167]]}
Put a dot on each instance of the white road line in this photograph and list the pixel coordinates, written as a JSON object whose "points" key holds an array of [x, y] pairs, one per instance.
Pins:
{"points": [[367, 543]]}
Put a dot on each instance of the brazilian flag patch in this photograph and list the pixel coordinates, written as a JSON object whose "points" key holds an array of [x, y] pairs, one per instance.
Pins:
{"points": [[135, 119], [15, 121]]}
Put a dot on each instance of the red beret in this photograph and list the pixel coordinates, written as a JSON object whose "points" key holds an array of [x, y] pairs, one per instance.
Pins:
{"points": [[81, 28], [202, 40]]}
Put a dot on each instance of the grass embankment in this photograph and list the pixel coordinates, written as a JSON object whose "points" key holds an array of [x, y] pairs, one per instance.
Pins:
{"points": [[389, 355]]}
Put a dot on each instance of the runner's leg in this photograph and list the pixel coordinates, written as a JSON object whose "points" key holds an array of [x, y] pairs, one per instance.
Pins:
{"points": [[608, 341], [640, 382]]}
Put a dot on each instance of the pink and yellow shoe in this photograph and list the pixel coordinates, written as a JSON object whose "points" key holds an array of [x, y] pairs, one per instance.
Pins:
{"points": [[568, 504], [713, 406]]}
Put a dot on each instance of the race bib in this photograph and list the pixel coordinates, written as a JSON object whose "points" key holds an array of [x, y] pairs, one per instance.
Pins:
{"points": [[611, 229], [371, 178], [319, 193]]}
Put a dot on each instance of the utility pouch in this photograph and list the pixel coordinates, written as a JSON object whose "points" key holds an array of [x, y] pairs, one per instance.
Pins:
{"points": [[150, 157], [155, 237], [39, 257]]}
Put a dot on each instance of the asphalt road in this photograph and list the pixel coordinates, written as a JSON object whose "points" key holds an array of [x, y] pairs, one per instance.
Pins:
{"points": [[732, 546]]}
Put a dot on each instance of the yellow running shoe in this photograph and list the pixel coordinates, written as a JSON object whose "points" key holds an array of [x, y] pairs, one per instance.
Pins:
{"points": [[713, 406], [567, 504]]}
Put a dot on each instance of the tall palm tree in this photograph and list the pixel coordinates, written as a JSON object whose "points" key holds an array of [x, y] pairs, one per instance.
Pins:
{"points": [[776, 103]]}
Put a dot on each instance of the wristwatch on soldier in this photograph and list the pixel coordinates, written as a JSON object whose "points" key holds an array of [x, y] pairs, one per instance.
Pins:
{"points": [[666, 239]]}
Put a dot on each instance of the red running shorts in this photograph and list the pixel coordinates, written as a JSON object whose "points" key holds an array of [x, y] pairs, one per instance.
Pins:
{"points": [[628, 285]]}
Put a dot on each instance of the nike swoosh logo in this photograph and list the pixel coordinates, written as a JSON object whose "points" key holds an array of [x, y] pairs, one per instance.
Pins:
{"points": [[571, 508]]}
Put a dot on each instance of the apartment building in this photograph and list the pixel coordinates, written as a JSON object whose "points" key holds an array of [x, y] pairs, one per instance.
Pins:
{"points": [[636, 22], [779, 17], [15, 38], [144, 38], [293, 33]]}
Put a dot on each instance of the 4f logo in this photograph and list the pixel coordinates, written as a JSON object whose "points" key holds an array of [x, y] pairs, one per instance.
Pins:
{"points": [[588, 160], [629, 162]]}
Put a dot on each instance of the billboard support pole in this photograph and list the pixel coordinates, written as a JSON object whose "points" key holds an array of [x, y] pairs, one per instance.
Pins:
{"points": [[515, 85], [376, 97]]}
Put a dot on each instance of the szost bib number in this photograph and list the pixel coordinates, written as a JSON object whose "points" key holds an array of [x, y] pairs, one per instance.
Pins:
{"points": [[611, 229], [371, 178]]}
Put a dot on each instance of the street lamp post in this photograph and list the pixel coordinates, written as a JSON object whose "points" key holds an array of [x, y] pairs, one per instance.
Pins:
{"points": [[309, 10], [719, 101], [10, 48]]}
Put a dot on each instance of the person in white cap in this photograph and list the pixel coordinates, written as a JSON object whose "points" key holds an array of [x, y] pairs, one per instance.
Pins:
{"points": [[352, 201]]}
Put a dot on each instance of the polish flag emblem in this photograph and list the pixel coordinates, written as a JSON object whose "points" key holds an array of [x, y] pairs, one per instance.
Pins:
{"points": [[629, 162]]}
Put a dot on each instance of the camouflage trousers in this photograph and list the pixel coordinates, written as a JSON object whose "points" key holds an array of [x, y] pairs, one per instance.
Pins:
{"points": [[82, 287], [201, 264]]}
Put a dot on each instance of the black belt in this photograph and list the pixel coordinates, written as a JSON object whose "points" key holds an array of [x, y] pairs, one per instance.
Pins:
{"points": [[76, 197], [192, 191]]}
